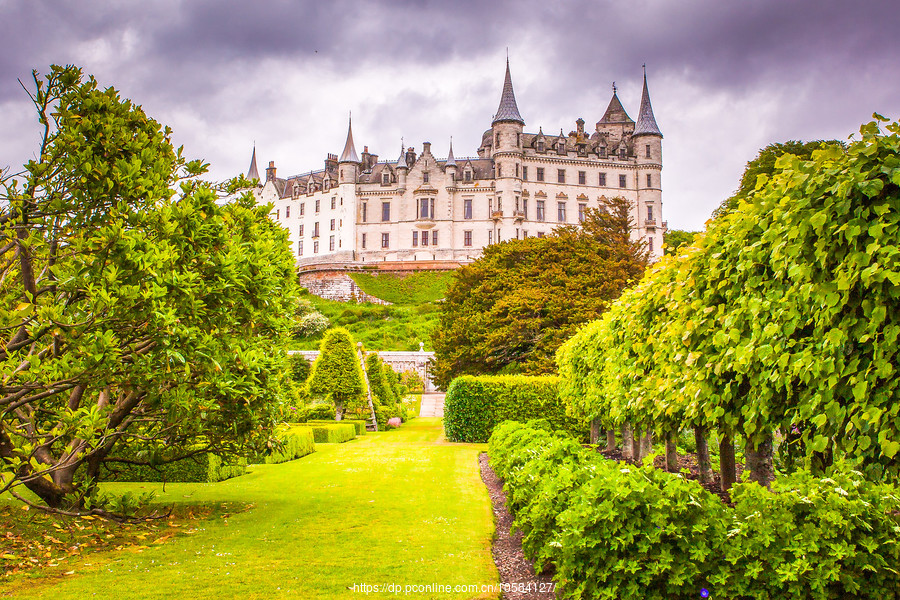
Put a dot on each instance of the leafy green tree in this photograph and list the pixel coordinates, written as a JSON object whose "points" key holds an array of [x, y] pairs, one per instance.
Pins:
{"points": [[337, 372], [377, 371], [134, 320], [510, 310], [674, 239]]}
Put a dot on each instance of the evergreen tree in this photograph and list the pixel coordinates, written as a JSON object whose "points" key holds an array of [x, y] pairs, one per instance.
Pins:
{"points": [[337, 372]]}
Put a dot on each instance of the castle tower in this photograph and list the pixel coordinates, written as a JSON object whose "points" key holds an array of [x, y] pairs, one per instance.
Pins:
{"points": [[648, 156], [348, 164], [450, 167], [507, 153], [402, 169], [253, 172], [348, 176]]}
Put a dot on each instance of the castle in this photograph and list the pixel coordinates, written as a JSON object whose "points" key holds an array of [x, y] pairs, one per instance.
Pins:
{"points": [[359, 210]]}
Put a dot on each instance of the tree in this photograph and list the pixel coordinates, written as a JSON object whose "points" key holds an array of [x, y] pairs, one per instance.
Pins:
{"points": [[377, 372], [676, 238], [337, 372], [135, 322], [510, 310]]}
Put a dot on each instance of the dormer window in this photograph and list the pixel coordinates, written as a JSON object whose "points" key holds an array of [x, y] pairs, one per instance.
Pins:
{"points": [[540, 146], [385, 178], [295, 191], [326, 185], [602, 151], [561, 147], [467, 175], [622, 153]]}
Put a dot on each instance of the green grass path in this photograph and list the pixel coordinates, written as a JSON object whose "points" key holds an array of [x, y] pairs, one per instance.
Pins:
{"points": [[396, 507]]}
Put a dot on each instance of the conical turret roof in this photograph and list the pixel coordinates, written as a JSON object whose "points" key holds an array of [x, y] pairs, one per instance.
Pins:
{"points": [[401, 162], [253, 172], [349, 153], [451, 162], [646, 123], [508, 111], [615, 112]]}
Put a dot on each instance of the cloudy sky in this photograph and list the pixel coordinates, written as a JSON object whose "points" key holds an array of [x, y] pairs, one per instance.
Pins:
{"points": [[726, 77]]}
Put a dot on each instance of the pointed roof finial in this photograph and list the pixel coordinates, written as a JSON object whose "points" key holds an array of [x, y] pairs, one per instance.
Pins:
{"points": [[646, 122], [451, 161], [401, 162], [508, 111], [349, 153], [253, 172]]}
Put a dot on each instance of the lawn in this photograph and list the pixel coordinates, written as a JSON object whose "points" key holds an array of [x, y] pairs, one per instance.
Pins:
{"points": [[397, 507], [409, 289]]}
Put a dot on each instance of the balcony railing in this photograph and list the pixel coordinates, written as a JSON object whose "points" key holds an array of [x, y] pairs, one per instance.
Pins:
{"points": [[519, 215], [497, 214]]}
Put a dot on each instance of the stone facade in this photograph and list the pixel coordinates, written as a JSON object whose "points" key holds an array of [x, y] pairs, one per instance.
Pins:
{"points": [[360, 210]]}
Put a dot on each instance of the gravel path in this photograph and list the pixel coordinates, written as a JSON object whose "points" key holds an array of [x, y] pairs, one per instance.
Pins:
{"points": [[516, 572]]}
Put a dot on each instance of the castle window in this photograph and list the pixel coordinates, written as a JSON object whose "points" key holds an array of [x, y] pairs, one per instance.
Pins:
{"points": [[581, 208], [499, 170], [424, 238], [519, 140], [302, 208], [582, 177], [315, 247], [467, 175], [317, 205], [426, 177], [326, 185], [331, 243], [623, 181], [650, 244], [540, 146], [561, 212], [385, 211], [385, 178], [540, 234], [365, 211], [332, 225], [647, 150], [649, 180], [415, 239], [517, 233], [622, 152], [602, 151], [333, 200], [602, 179], [385, 240], [561, 175], [364, 241], [540, 210], [278, 215], [540, 173], [287, 212], [649, 212], [426, 208], [497, 140], [525, 207], [300, 248], [453, 177], [315, 229], [467, 239], [433, 237], [524, 173], [490, 237], [561, 148], [517, 169], [467, 208], [517, 203], [301, 231], [295, 191]]}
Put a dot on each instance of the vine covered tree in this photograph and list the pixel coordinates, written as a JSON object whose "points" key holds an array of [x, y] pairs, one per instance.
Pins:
{"points": [[510, 310], [337, 372], [131, 316]]}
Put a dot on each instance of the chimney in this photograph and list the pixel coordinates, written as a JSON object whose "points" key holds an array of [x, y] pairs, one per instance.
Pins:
{"points": [[365, 159], [426, 147], [580, 124], [331, 163], [410, 156], [270, 172]]}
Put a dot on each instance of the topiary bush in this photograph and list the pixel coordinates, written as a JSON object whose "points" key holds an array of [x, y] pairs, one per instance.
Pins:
{"points": [[360, 424], [294, 443], [331, 434], [475, 405]]}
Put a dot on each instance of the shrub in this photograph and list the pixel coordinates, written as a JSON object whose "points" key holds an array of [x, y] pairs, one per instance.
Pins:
{"points": [[475, 405], [331, 434], [360, 424], [294, 443], [394, 422], [205, 467]]}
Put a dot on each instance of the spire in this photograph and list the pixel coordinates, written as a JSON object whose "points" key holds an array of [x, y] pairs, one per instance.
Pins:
{"points": [[401, 162], [349, 153], [253, 172], [646, 123], [451, 162], [615, 112], [508, 111]]}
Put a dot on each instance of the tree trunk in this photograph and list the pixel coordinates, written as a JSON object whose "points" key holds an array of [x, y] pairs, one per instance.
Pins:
{"points": [[726, 462], [646, 444], [610, 440], [671, 453], [703, 462], [595, 430], [637, 446], [760, 461], [338, 411], [627, 442]]}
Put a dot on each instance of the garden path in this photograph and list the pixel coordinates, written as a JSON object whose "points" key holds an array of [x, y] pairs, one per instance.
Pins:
{"points": [[432, 404]]}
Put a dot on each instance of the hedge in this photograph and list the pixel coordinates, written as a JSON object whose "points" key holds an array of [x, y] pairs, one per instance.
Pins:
{"points": [[201, 468], [475, 405], [614, 531], [331, 434], [360, 424], [296, 443]]}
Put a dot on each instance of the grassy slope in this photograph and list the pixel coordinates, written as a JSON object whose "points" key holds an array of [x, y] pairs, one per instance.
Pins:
{"points": [[399, 327], [393, 507]]}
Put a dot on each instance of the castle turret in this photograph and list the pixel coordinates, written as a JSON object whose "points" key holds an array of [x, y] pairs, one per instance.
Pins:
{"points": [[402, 169], [253, 172], [506, 150], [349, 161], [647, 140], [450, 167]]}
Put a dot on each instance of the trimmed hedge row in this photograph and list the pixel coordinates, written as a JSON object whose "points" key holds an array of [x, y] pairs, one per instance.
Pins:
{"points": [[475, 405], [330, 434], [296, 443], [614, 531], [360, 424], [201, 468]]}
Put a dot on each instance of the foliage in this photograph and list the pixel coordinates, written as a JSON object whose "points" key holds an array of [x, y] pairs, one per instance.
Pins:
{"points": [[412, 382], [674, 239], [337, 372], [290, 444], [129, 312], [204, 467], [337, 433], [405, 289], [376, 371], [375, 325], [614, 532], [475, 405], [360, 424], [300, 368], [510, 310], [784, 316]]}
